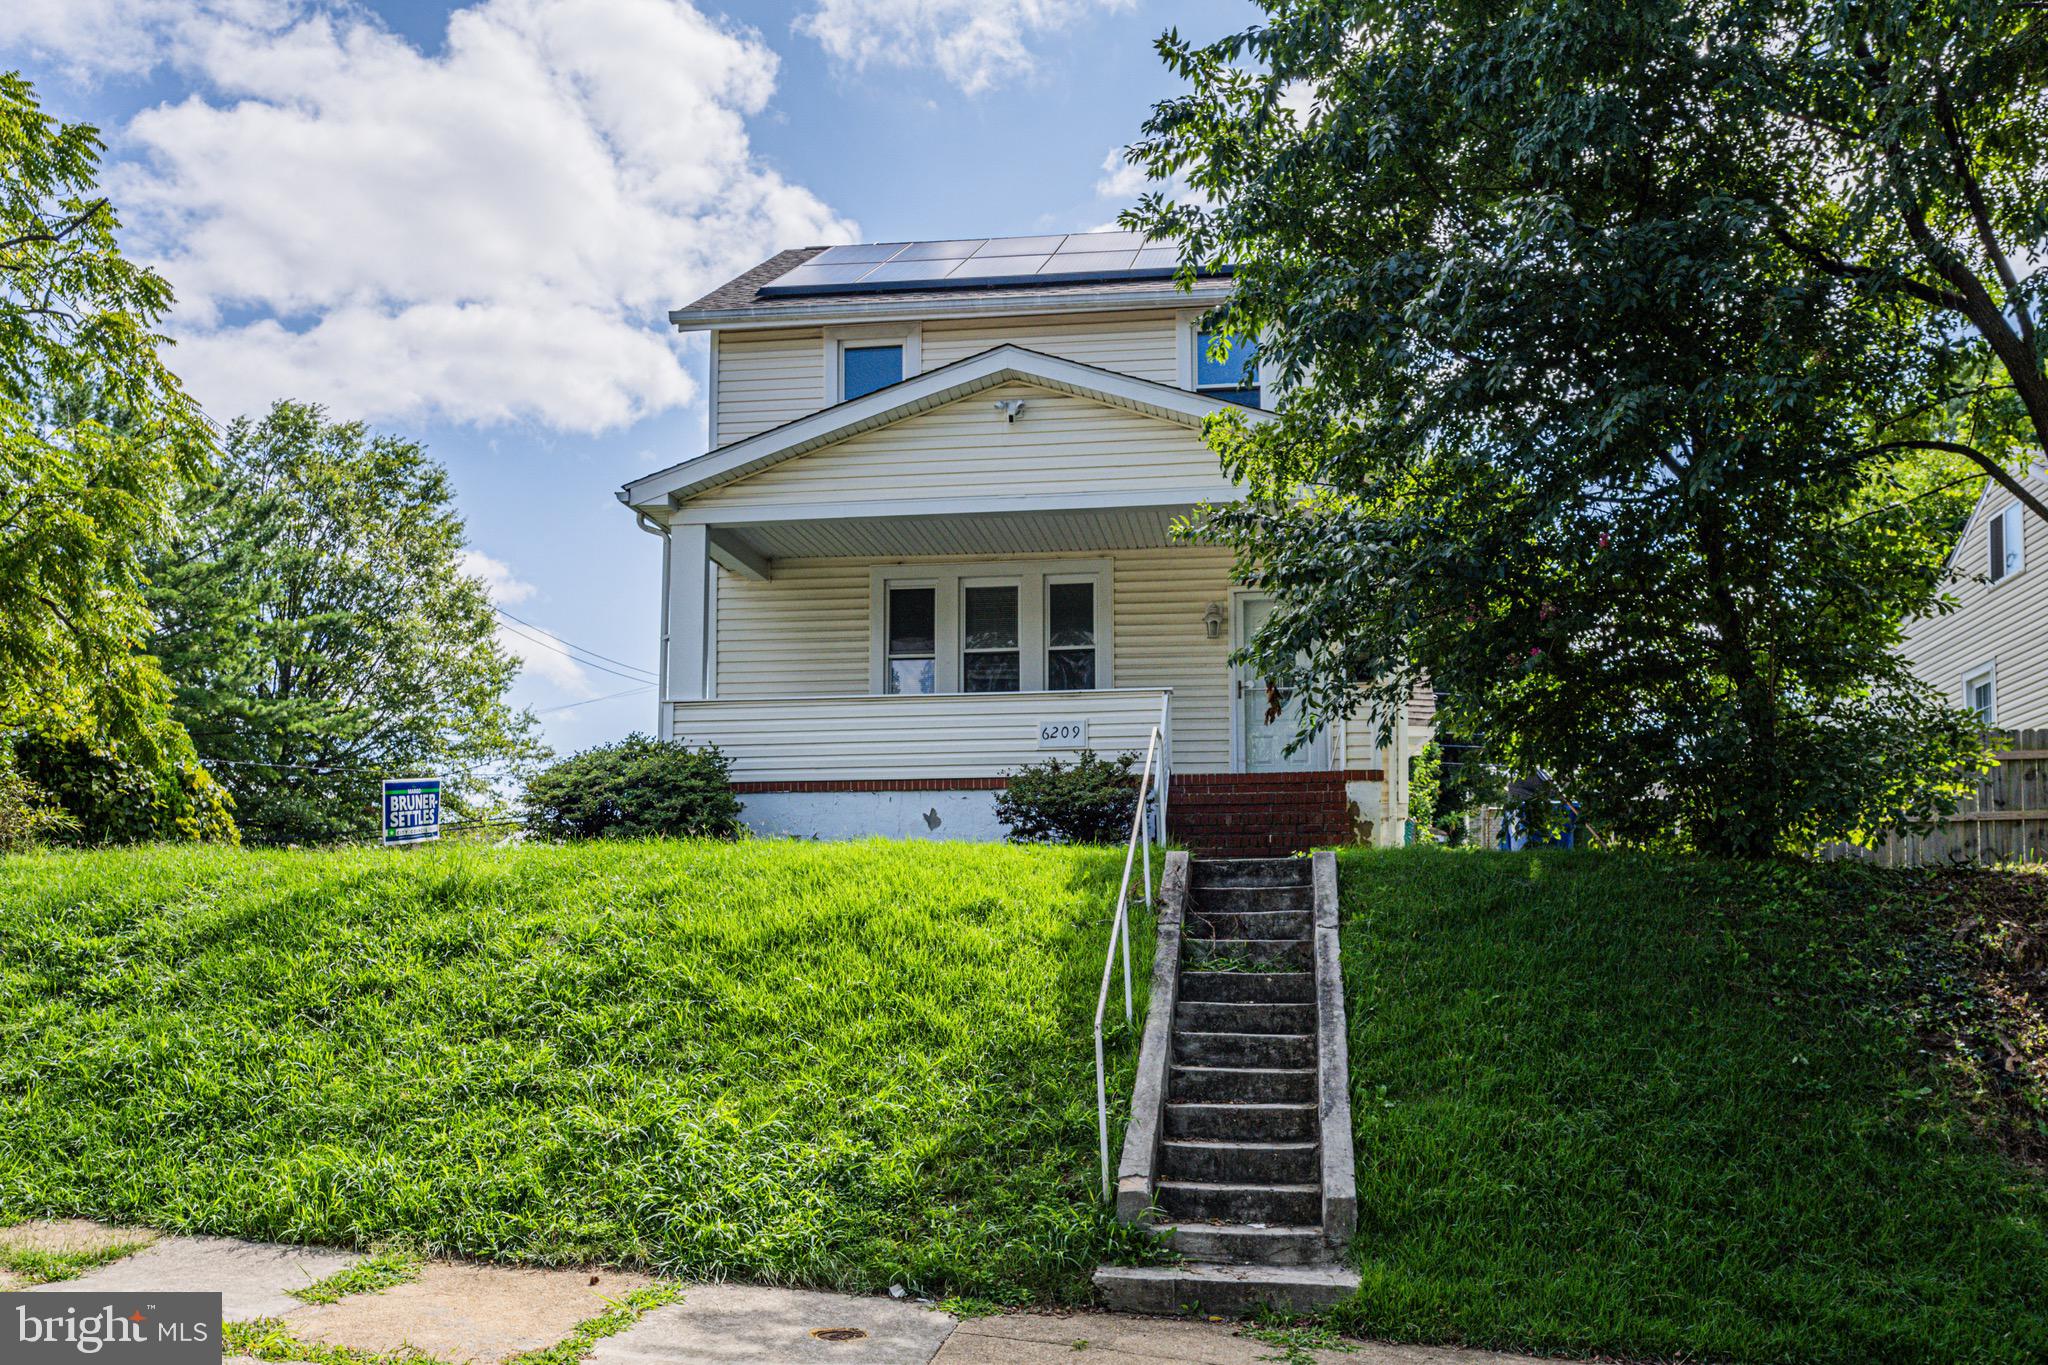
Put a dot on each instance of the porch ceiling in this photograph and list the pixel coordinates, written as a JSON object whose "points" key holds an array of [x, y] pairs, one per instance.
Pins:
{"points": [[1003, 533]]}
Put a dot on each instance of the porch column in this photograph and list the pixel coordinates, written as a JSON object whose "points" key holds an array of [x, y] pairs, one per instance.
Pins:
{"points": [[689, 586]]}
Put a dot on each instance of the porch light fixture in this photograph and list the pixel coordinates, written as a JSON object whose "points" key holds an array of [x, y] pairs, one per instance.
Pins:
{"points": [[1212, 621], [1009, 408]]}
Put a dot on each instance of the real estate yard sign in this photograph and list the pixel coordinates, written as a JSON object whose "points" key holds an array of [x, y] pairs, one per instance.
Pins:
{"points": [[412, 809]]}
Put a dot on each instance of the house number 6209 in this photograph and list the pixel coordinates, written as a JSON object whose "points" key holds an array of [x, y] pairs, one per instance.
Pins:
{"points": [[1062, 734]]}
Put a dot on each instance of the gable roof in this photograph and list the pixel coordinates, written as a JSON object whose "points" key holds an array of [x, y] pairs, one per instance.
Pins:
{"points": [[918, 394]]}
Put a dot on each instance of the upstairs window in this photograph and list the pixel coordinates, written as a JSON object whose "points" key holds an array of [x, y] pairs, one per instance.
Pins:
{"points": [[1229, 371], [1980, 694], [863, 369], [2008, 543]]}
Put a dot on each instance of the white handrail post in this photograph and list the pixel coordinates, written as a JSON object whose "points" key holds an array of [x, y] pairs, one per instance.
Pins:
{"points": [[1165, 759]]}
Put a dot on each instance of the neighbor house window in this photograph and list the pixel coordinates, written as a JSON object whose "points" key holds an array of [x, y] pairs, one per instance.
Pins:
{"points": [[913, 640], [1070, 636], [1022, 626], [863, 369], [2008, 543], [990, 660], [1233, 375], [1980, 694]]}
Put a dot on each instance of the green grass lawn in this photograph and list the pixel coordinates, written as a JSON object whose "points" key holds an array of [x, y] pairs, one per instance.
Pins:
{"points": [[1668, 1109], [1638, 1106], [845, 1065]]}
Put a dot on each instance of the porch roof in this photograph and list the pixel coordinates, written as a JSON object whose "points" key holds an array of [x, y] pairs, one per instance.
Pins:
{"points": [[668, 488]]}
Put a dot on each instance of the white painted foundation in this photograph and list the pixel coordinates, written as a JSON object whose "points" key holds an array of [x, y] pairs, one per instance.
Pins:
{"points": [[969, 815]]}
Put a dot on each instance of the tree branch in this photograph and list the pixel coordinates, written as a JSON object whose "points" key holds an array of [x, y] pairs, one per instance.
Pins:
{"points": [[1990, 466]]}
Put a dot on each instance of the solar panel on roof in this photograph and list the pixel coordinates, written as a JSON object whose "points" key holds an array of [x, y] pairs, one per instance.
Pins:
{"points": [[977, 261]]}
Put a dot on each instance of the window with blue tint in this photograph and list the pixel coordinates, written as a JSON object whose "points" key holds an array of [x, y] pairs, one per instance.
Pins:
{"points": [[1235, 377], [863, 369]]}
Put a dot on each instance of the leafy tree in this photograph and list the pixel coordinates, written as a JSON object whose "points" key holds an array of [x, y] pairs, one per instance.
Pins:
{"points": [[322, 635], [1574, 427], [637, 788], [96, 438]]}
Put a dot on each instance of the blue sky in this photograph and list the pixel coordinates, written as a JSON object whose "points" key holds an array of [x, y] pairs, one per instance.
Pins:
{"points": [[464, 222]]}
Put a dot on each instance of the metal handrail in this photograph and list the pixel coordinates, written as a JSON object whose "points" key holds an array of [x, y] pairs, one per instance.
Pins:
{"points": [[1120, 926]]}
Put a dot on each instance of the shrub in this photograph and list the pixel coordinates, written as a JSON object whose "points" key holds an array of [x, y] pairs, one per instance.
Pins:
{"points": [[27, 812], [1089, 801], [635, 789]]}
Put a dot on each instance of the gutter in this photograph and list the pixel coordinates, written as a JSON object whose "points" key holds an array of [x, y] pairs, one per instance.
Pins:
{"points": [[885, 308]]}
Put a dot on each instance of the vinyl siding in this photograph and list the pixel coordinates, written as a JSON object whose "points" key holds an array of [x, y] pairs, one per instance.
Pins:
{"points": [[1142, 345], [906, 738], [766, 379], [2005, 624], [806, 632], [1061, 444]]}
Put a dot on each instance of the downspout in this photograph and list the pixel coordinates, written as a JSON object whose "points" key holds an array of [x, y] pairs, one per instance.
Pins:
{"points": [[655, 528]]}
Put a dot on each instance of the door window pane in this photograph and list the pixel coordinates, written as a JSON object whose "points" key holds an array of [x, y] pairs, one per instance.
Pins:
{"points": [[913, 639], [863, 369], [1070, 637], [990, 661]]}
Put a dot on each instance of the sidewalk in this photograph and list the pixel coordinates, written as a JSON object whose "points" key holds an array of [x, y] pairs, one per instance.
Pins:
{"points": [[282, 1300]]}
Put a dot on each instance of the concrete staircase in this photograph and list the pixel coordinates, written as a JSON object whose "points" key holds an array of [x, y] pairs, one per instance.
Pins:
{"points": [[1243, 1180]]}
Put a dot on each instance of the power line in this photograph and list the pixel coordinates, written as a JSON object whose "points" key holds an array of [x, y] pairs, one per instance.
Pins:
{"points": [[579, 648], [550, 644], [614, 696]]}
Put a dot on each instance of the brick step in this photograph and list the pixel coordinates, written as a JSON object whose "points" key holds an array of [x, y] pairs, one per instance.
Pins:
{"points": [[1235, 1084], [1260, 988], [1242, 1016], [1282, 1050], [1262, 954], [1197, 1201], [1240, 1163], [1241, 1122]]}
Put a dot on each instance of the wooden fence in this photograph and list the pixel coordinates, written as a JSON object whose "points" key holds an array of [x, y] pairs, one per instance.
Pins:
{"points": [[2006, 821]]}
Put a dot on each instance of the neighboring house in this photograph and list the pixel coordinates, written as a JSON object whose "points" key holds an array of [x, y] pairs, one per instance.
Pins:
{"points": [[931, 542], [1991, 653]]}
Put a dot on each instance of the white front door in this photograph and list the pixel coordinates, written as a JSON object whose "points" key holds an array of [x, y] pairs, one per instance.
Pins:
{"points": [[1262, 743]]}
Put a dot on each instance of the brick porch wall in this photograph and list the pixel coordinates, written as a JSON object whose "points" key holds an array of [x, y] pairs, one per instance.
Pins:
{"points": [[1262, 815]]}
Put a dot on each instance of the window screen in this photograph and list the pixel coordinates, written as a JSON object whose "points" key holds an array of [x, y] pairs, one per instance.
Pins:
{"points": [[989, 658], [1070, 637], [913, 640], [863, 369]]}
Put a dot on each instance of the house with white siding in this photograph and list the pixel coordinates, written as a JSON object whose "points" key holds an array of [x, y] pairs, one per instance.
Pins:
{"points": [[930, 539], [1991, 653]]}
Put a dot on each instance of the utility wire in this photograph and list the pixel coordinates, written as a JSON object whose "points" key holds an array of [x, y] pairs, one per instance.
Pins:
{"points": [[581, 649], [549, 644], [611, 696]]}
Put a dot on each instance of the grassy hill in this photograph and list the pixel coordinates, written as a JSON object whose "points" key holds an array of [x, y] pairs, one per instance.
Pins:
{"points": [[846, 1065], [1639, 1106]]}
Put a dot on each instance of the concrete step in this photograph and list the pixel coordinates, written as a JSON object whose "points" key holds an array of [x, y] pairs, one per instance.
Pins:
{"points": [[1222, 899], [1241, 1122], [1265, 988], [1287, 1050], [1235, 1085], [1240, 1163], [1287, 924], [1238, 1016], [1225, 1290], [1239, 1244], [1208, 872], [1201, 1201], [1263, 954]]}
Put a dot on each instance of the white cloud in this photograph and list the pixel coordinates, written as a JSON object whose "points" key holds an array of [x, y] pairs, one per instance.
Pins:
{"points": [[491, 233], [543, 654], [975, 44]]}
